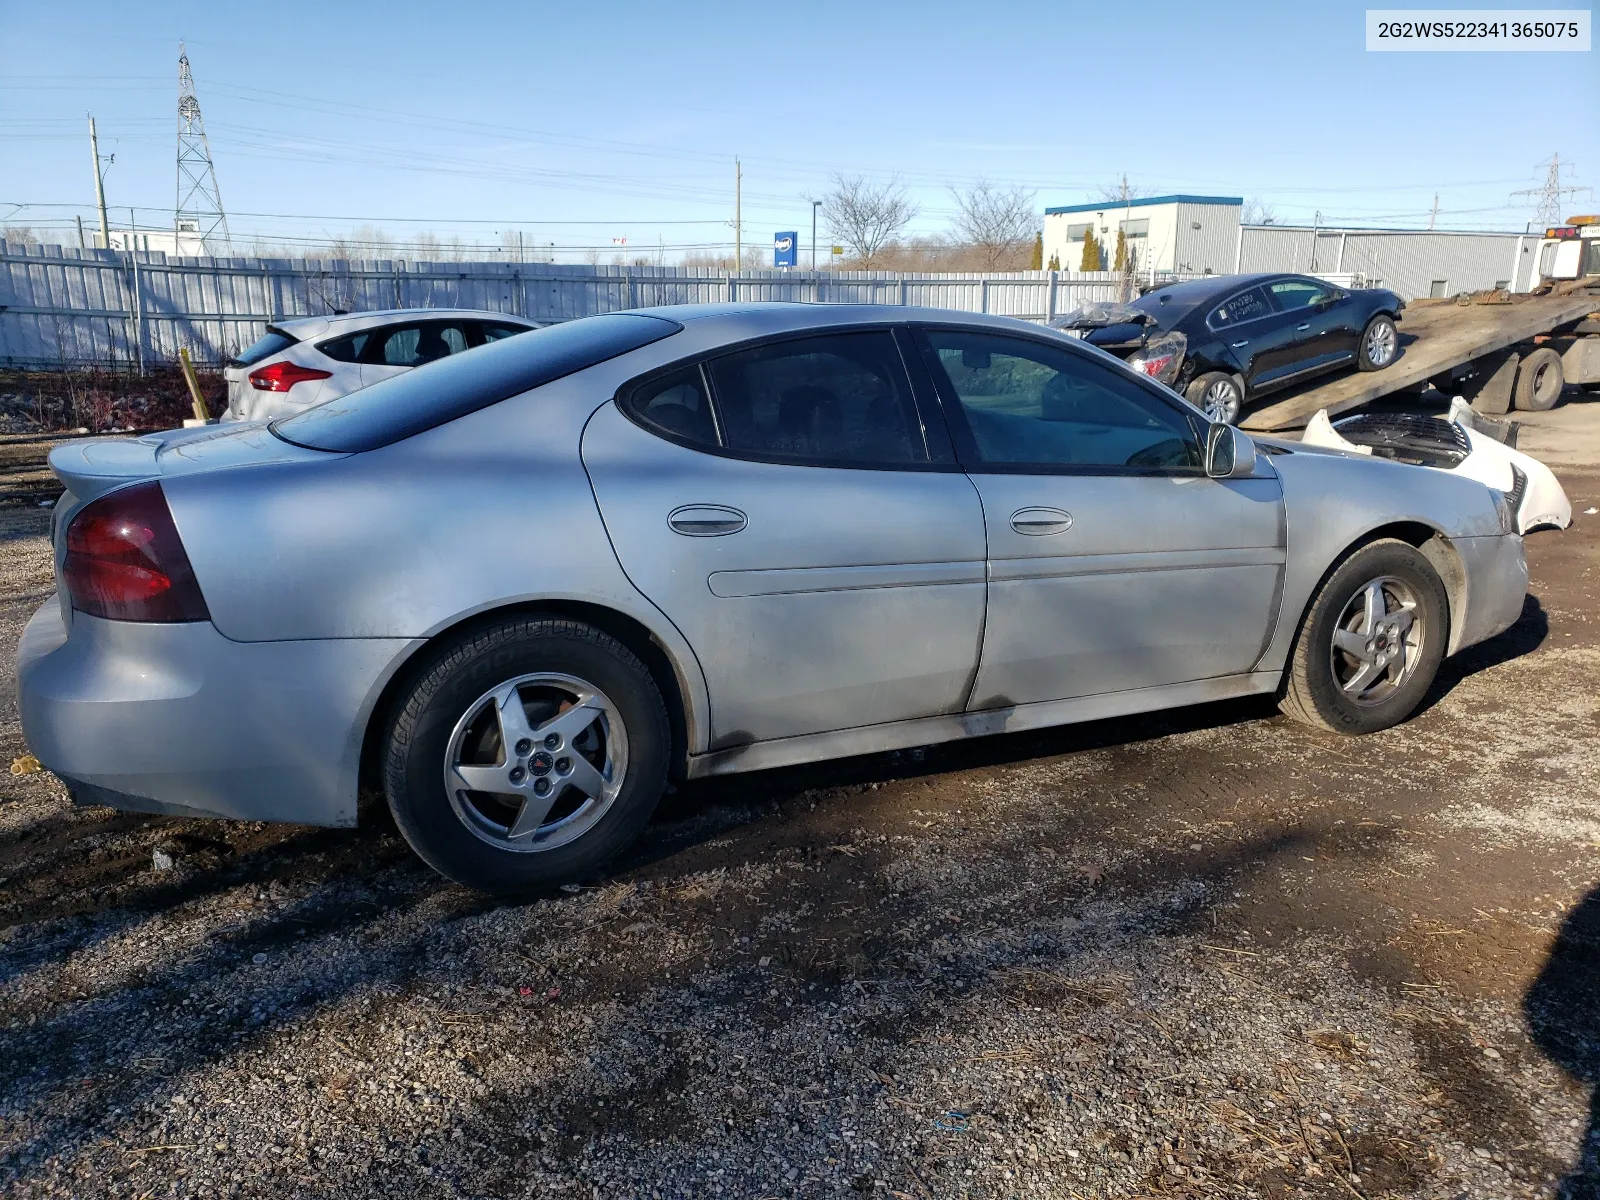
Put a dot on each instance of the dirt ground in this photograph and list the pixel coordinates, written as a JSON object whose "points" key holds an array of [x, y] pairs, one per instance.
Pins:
{"points": [[1207, 953]]}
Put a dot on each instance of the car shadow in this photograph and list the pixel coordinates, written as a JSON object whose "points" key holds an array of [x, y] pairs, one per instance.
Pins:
{"points": [[1525, 636], [1562, 1008], [700, 810]]}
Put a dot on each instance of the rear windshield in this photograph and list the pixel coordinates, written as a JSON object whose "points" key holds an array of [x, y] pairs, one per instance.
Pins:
{"points": [[271, 342], [451, 387]]}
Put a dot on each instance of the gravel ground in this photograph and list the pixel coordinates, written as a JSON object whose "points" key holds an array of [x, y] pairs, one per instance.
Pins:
{"points": [[1202, 954]]}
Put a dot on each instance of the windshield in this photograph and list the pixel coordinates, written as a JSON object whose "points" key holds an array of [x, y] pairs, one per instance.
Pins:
{"points": [[441, 391]]}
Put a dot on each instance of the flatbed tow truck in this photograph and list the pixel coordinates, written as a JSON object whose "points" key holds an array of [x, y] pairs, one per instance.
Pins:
{"points": [[1499, 350]]}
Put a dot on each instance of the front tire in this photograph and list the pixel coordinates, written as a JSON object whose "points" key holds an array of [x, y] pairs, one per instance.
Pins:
{"points": [[1217, 394], [1380, 344], [1370, 643], [526, 754]]}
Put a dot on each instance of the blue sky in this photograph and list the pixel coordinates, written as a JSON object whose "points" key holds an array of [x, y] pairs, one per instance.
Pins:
{"points": [[577, 124]]}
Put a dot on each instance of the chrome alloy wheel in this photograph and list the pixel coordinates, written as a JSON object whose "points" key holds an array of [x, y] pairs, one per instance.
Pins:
{"points": [[536, 763], [1381, 340], [1221, 402], [1377, 641]]}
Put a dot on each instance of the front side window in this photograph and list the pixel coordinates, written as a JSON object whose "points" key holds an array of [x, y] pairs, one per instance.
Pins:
{"points": [[1292, 294], [840, 398], [1246, 306], [1028, 404]]}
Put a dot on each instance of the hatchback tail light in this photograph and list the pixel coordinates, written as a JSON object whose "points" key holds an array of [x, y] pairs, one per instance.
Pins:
{"points": [[281, 376], [125, 561]]}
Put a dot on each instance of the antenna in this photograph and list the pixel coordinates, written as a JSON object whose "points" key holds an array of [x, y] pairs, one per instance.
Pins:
{"points": [[1549, 196], [199, 209]]}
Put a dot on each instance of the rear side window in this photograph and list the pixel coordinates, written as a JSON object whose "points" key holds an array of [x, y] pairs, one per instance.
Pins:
{"points": [[348, 348], [837, 399], [1246, 306], [419, 343], [677, 406], [397, 408], [273, 341]]}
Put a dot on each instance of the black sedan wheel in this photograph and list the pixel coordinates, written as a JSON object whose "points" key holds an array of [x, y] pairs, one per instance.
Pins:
{"points": [[526, 754], [1370, 643], [1380, 344], [1217, 394]]}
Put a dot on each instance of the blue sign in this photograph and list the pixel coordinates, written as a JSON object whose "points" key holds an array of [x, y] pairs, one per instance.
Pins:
{"points": [[785, 248]]}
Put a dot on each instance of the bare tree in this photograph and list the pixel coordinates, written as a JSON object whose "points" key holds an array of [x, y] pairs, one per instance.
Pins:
{"points": [[1257, 212], [20, 235], [998, 222], [866, 217]]}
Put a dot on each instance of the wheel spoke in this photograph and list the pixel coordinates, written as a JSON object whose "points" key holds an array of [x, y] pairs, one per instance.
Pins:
{"points": [[569, 724], [1352, 643], [532, 814], [1363, 679], [513, 719], [1403, 619], [485, 779], [1373, 608], [586, 778]]}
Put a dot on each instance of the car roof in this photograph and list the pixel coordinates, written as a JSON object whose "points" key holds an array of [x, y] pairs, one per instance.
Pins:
{"points": [[306, 327], [755, 319], [1192, 292]]}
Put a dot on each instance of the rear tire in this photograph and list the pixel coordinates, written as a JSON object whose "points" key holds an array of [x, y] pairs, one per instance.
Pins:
{"points": [[1540, 379], [482, 711], [1380, 344], [1352, 674], [1217, 394]]}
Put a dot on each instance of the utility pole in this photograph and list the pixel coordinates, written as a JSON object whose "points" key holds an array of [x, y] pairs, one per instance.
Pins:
{"points": [[99, 188], [738, 213], [1434, 215], [1125, 289], [81, 242], [815, 204]]}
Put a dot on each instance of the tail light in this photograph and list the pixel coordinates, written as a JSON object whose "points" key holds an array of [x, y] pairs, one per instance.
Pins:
{"points": [[1161, 358], [281, 376], [125, 561]]}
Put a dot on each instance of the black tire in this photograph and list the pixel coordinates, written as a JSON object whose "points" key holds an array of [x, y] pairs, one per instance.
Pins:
{"points": [[451, 682], [1224, 404], [1540, 379], [1313, 694], [1380, 344]]}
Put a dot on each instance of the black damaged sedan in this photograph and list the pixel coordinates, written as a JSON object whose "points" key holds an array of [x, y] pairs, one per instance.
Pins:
{"points": [[1225, 340]]}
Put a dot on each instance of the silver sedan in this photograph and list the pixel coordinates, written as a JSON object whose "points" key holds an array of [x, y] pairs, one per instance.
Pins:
{"points": [[521, 589]]}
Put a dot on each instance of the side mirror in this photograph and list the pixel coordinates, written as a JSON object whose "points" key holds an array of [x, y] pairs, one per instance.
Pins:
{"points": [[1230, 454]]}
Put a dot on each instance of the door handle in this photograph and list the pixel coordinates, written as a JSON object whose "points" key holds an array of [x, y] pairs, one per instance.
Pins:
{"points": [[1240, 345], [1302, 328], [1038, 522], [705, 520]]}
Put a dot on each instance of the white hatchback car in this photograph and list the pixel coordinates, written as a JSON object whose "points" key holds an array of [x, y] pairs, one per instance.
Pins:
{"points": [[308, 360]]}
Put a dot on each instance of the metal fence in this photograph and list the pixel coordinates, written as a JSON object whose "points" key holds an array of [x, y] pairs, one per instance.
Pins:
{"points": [[66, 307]]}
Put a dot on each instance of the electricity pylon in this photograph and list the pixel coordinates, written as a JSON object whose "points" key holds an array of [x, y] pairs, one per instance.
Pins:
{"points": [[199, 209]]}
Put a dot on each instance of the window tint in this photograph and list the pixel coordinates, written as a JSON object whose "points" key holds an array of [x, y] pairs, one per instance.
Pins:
{"points": [[1246, 306], [838, 398], [675, 405], [407, 404], [1028, 403], [493, 333], [348, 348], [271, 343], [413, 345], [1298, 293]]}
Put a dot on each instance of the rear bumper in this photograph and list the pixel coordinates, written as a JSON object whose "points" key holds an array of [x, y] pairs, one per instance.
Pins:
{"points": [[1496, 588], [178, 719]]}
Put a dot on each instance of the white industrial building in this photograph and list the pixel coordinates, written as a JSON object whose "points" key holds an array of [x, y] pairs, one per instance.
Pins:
{"points": [[1169, 233], [1202, 235]]}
